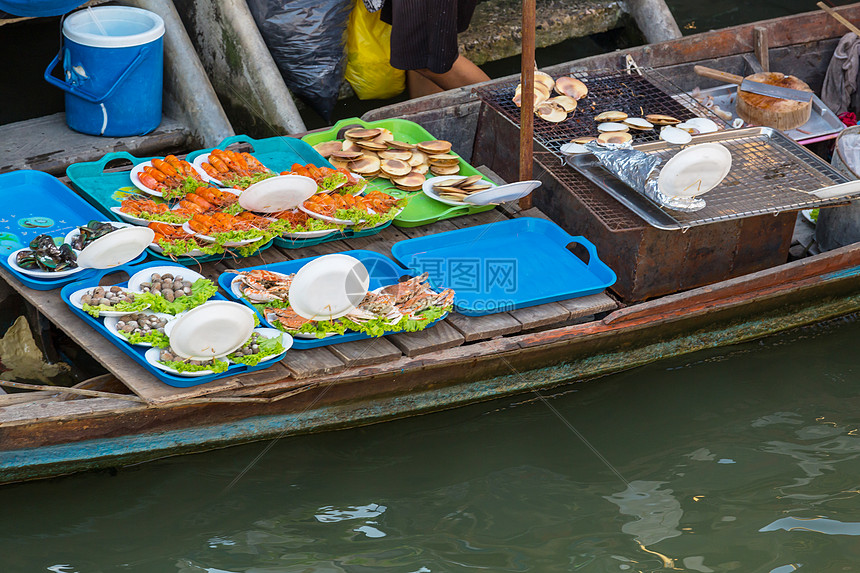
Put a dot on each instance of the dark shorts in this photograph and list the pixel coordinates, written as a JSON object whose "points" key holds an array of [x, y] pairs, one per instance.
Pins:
{"points": [[424, 32]]}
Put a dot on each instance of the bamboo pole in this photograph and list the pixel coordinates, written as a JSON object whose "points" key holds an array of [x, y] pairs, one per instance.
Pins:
{"points": [[839, 17], [527, 75]]}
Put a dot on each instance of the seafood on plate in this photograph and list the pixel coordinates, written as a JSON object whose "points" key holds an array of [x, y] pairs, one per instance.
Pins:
{"points": [[43, 254], [256, 349], [170, 176], [150, 210], [168, 358], [340, 180], [173, 293], [175, 241], [370, 210], [114, 299], [262, 286], [237, 169], [414, 296], [143, 328], [89, 233]]}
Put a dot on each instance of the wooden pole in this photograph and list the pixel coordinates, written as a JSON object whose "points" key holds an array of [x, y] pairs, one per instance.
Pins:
{"points": [[527, 77], [839, 18]]}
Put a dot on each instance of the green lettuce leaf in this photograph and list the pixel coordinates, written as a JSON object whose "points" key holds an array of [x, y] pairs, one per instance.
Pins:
{"points": [[216, 366], [179, 248], [139, 303], [153, 337], [245, 182], [169, 217]]}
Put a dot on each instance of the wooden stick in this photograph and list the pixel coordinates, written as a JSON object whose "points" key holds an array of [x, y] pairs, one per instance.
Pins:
{"points": [[78, 391], [527, 95], [838, 17], [761, 47], [718, 75]]}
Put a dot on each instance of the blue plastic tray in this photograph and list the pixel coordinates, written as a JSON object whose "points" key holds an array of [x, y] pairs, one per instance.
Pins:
{"points": [[137, 352], [35, 203], [507, 265], [382, 270]]}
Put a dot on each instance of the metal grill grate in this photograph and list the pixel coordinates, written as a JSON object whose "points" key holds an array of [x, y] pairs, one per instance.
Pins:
{"points": [[612, 214], [608, 90], [770, 174]]}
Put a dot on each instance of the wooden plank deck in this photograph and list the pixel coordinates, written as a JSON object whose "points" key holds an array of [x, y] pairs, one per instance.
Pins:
{"points": [[301, 366]]}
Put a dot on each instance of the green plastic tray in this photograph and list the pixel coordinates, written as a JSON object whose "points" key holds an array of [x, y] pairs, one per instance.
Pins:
{"points": [[421, 209]]}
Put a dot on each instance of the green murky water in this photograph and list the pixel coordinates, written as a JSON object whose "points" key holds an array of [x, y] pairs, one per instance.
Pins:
{"points": [[745, 459]]}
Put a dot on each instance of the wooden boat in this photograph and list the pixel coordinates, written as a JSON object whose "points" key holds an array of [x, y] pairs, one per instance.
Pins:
{"points": [[128, 416]]}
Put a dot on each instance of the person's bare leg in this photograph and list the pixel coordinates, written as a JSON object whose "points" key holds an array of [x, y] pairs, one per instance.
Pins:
{"points": [[462, 73], [419, 85]]}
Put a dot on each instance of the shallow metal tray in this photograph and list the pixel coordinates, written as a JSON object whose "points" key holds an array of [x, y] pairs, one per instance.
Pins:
{"points": [[771, 173], [823, 123]]}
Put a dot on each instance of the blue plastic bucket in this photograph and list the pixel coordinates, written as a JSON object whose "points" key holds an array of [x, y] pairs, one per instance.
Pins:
{"points": [[113, 67]]}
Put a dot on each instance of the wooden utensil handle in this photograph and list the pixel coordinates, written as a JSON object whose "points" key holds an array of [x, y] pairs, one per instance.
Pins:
{"points": [[838, 17], [718, 75]]}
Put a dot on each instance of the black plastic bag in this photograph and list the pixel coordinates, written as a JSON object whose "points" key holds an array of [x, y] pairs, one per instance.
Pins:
{"points": [[307, 40]]}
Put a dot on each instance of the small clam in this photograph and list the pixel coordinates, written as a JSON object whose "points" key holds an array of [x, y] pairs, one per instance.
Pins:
{"points": [[616, 137], [115, 289], [611, 116], [571, 87], [638, 123], [674, 135], [551, 112], [612, 126], [167, 276]]}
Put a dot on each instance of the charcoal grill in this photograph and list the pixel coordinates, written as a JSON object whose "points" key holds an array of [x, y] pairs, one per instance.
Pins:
{"points": [[634, 94]]}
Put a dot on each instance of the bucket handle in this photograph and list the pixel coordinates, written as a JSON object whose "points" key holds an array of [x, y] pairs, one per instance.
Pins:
{"points": [[85, 94]]}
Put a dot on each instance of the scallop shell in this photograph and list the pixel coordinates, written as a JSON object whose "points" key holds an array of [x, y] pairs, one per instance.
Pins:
{"points": [[612, 126], [440, 170], [583, 139], [544, 79], [435, 146], [365, 165], [617, 137], [401, 154], [551, 112], [395, 167], [638, 123], [360, 133], [660, 119], [574, 149], [571, 87], [700, 124], [674, 135], [326, 148], [610, 116], [567, 103]]}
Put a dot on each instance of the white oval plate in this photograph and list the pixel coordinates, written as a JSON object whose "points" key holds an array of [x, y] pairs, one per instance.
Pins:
{"points": [[74, 232], [110, 324], [278, 193], [286, 342], [145, 274], [211, 330], [135, 180], [502, 193], [328, 287], [428, 190], [75, 300], [271, 319], [39, 274], [695, 170], [116, 248], [210, 239], [153, 354]]}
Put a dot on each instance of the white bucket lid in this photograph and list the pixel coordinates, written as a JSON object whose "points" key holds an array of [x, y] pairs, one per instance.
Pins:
{"points": [[113, 27]]}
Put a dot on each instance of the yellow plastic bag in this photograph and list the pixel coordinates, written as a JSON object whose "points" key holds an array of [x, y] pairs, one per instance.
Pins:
{"points": [[368, 67]]}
